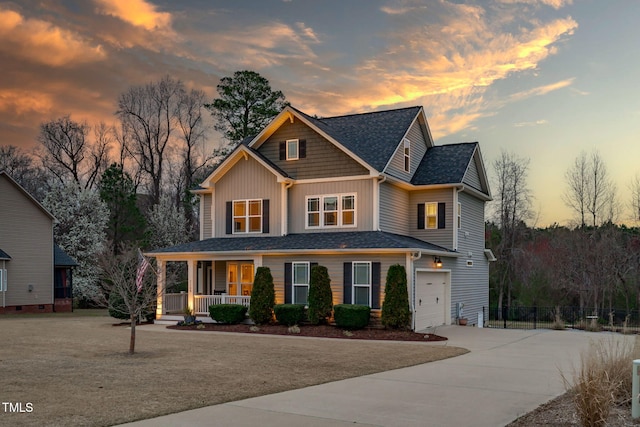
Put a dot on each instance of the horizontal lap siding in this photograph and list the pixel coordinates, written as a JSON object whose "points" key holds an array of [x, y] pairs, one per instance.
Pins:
{"points": [[26, 234], [206, 220], [364, 204], [471, 177], [248, 179], [323, 159], [418, 148], [394, 209], [441, 237], [335, 267]]}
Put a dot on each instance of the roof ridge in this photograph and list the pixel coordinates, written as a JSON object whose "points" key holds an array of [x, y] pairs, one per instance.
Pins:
{"points": [[370, 112]]}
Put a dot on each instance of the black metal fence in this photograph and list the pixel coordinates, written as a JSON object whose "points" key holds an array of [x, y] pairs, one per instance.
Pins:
{"points": [[559, 318]]}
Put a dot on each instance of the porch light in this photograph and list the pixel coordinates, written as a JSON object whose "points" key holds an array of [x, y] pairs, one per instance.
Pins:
{"points": [[437, 262]]}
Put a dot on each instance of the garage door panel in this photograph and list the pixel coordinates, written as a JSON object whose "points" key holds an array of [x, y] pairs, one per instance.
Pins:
{"points": [[430, 299]]}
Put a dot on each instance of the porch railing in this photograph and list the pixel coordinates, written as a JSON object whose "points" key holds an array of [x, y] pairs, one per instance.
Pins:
{"points": [[202, 302], [174, 303]]}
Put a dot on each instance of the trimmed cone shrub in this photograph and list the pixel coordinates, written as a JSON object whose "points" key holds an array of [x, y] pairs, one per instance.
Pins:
{"points": [[263, 297], [396, 312], [320, 295], [351, 316], [228, 313], [289, 314]]}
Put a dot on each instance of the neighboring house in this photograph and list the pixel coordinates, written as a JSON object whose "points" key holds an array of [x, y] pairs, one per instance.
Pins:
{"points": [[28, 256], [355, 193]]}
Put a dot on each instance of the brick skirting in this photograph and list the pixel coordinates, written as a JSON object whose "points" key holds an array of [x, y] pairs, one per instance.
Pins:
{"points": [[19, 309]]}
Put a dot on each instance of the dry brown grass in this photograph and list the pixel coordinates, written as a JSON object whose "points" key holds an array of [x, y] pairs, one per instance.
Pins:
{"points": [[75, 370]]}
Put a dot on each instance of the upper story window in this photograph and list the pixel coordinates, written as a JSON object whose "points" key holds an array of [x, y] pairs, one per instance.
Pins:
{"points": [[407, 155], [432, 215], [293, 152], [247, 216], [335, 210]]}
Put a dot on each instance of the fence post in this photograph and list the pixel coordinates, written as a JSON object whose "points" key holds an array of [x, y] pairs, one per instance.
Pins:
{"points": [[535, 317], [504, 316]]}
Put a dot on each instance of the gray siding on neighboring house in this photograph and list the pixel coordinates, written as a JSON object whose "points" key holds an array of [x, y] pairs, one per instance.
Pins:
{"points": [[471, 177], [323, 159], [248, 179], [205, 221], [26, 234], [364, 203], [394, 209], [442, 237], [335, 267], [418, 147]]}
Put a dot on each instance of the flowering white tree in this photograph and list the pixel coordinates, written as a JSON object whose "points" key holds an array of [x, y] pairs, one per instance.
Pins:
{"points": [[79, 229], [166, 224]]}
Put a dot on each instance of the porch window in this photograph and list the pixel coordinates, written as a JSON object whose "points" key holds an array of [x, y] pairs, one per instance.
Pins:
{"points": [[329, 211], [247, 216], [300, 282], [239, 279]]}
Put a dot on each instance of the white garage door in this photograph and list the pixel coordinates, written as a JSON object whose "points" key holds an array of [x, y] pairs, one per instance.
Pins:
{"points": [[430, 299]]}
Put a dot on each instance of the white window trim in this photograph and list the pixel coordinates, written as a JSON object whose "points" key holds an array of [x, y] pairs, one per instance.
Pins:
{"points": [[353, 278], [3, 280], [426, 216], [406, 144], [321, 212], [293, 280], [246, 216], [459, 215], [297, 141]]}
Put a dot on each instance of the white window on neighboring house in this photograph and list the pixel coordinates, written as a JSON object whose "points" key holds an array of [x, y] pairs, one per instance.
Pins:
{"points": [[431, 215], [361, 283], [300, 283], [293, 152], [328, 211], [407, 155], [247, 216]]}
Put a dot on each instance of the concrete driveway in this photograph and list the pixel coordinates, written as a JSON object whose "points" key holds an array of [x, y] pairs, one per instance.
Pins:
{"points": [[506, 374]]}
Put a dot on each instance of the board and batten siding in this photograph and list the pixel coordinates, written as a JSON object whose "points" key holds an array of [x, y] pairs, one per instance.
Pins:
{"points": [[394, 209], [323, 159], [363, 189], [206, 221], [335, 267], [248, 179], [471, 177], [417, 150], [441, 237], [26, 234]]}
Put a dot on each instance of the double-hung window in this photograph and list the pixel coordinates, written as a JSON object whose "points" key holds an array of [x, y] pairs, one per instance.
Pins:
{"points": [[293, 153], [247, 216], [335, 210], [300, 283], [432, 215], [362, 283]]}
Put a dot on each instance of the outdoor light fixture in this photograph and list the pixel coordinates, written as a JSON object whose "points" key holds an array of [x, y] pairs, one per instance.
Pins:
{"points": [[437, 261]]}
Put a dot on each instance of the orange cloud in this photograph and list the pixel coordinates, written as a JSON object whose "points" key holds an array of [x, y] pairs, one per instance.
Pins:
{"points": [[138, 13], [43, 42], [542, 90], [556, 4], [21, 102]]}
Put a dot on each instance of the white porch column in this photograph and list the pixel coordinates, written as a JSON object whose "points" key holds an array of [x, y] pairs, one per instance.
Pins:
{"points": [[161, 287], [192, 274]]}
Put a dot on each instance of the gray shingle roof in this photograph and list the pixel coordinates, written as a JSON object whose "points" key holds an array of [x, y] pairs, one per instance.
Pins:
{"points": [[371, 136], [4, 255], [444, 164], [61, 259], [353, 240]]}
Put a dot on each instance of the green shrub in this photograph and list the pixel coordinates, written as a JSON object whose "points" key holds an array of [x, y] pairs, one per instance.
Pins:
{"points": [[289, 314], [350, 316], [263, 297], [395, 309], [320, 295], [227, 313]]}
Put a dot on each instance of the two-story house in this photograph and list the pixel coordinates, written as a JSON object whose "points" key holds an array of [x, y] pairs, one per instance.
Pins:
{"points": [[355, 193]]}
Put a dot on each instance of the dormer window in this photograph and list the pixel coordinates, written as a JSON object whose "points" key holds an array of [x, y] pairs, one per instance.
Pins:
{"points": [[293, 152], [407, 155]]}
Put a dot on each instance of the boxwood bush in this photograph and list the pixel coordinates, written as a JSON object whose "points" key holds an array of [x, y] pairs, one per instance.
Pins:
{"points": [[320, 295], [263, 297], [227, 313], [395, 310], [351, 316], [289, 314]]}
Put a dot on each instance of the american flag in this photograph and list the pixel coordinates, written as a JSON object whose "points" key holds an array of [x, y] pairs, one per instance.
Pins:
{"points": [[144, 263]]}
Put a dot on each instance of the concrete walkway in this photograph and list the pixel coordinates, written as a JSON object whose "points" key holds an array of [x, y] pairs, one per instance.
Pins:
{"points": [[506, 374]]}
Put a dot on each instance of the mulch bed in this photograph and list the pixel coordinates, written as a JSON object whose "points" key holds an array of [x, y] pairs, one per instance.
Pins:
{"points": [[318, 331]]}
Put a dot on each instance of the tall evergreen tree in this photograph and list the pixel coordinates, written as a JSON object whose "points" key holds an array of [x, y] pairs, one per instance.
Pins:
{"points": [[263, 297], [396, 312], [320, 295]]}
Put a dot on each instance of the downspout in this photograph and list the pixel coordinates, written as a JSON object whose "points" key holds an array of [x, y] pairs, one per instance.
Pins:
{"points": [[284, 206], [376, 202], [412, 259], [456, 230]]}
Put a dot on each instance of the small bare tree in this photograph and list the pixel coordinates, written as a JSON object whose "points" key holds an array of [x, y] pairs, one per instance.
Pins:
{"points": [[130, 280]]}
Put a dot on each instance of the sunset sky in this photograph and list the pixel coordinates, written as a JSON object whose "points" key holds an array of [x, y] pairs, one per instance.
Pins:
{"points": [[543, 79]]}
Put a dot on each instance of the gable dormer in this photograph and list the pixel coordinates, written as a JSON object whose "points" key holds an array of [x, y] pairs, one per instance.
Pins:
{"points": [[410, 150]]}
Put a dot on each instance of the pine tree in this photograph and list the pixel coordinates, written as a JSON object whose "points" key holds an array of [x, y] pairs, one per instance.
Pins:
{"points": [[395, 309], [320, 295], [263, 297]]}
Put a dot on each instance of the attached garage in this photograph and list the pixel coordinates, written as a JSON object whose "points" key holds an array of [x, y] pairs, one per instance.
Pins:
{"points": [[433, 299]]}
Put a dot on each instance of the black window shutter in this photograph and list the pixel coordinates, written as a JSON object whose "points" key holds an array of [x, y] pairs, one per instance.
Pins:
{"points": [[420, 216], [375, 284], [288, 281], [302, 148], [265, 216], [283, 151], [346, 295], [229, 218], [441, 215]]}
